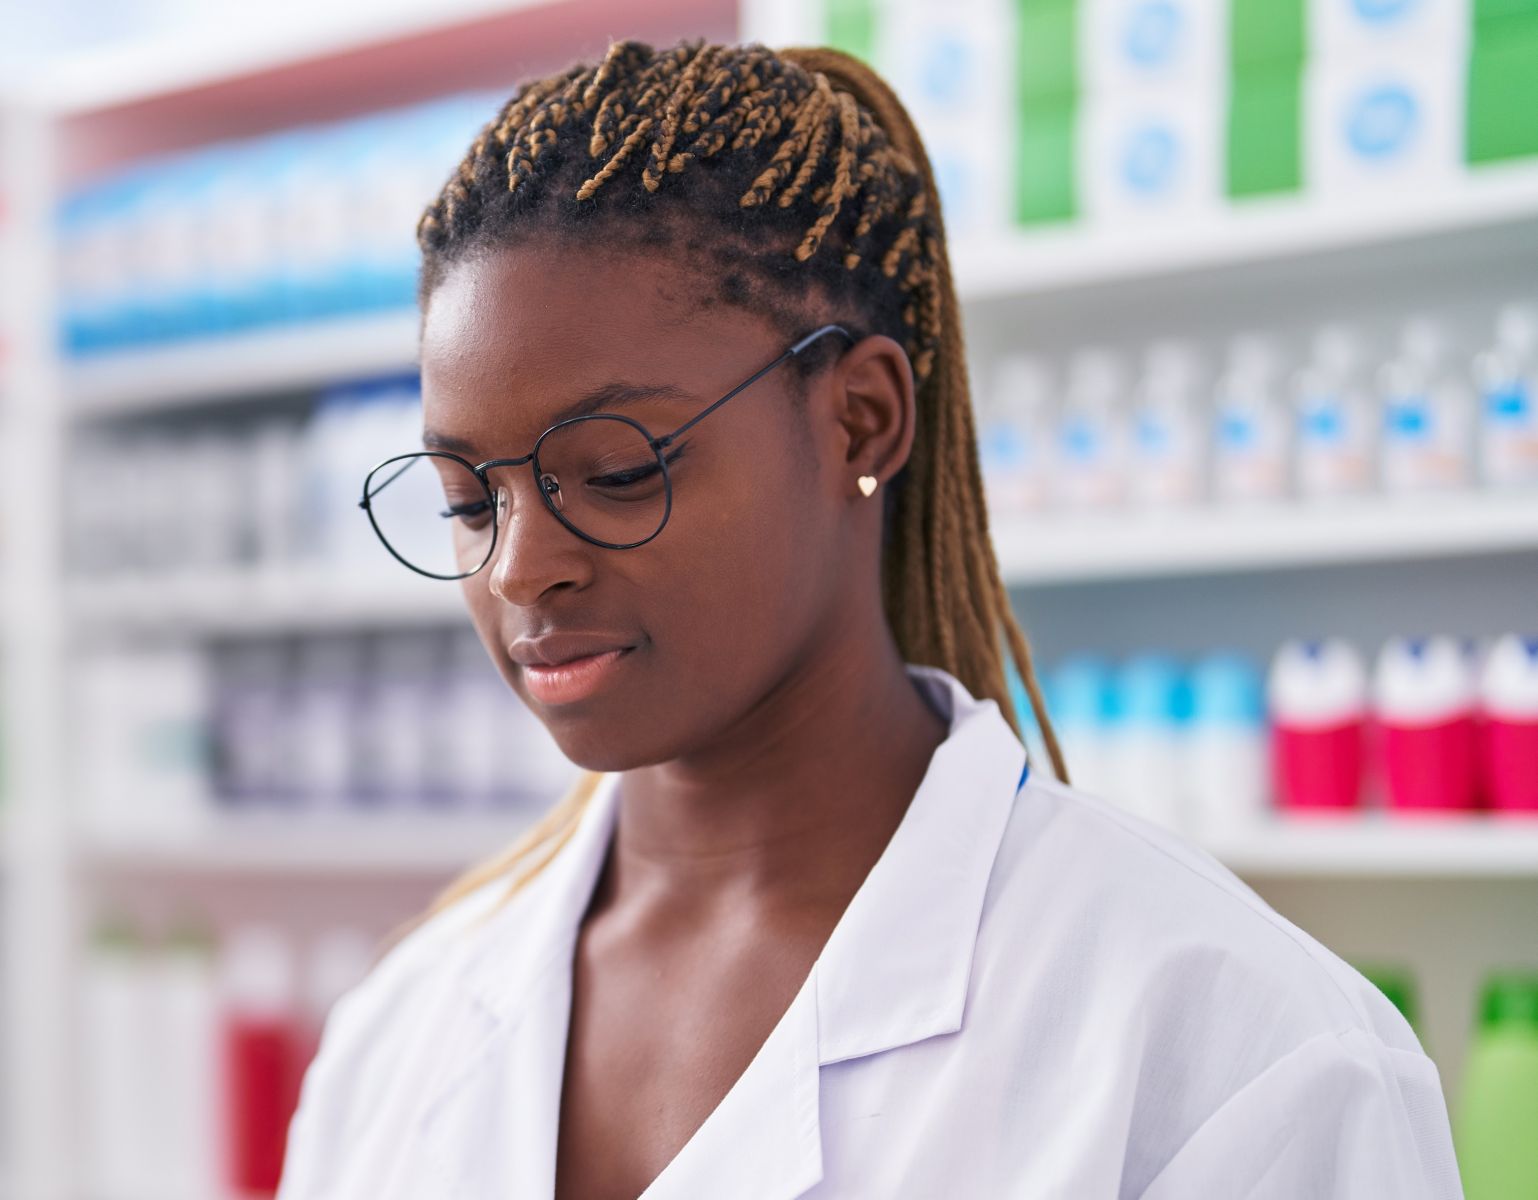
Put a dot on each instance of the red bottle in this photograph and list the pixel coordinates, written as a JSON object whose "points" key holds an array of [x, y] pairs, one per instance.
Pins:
{"points": [[1424, 694], [1318, 702], [262, 1049], [1509, 699]]}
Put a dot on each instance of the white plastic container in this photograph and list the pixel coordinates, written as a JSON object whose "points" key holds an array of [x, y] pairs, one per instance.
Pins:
{"points": [[1334, 431], [952, 65], [1089, 448], [1129, 44], [1227, 758], [1339, 29], [1153, 154], [1013, 436], [118, 1056], [1250, 433], [1507, 377], [1384, 123], [1167, 442], [188, 1144], [1427, 405]]}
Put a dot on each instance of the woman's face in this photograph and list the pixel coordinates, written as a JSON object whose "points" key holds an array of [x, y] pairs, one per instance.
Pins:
{"points": [[745, 581]]}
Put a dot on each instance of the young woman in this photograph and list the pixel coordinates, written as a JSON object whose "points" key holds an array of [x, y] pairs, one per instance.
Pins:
{"points": [[697, 415]]}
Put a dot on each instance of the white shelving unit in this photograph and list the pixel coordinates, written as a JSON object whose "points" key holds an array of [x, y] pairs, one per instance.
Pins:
{"points": [[1116, 563]]}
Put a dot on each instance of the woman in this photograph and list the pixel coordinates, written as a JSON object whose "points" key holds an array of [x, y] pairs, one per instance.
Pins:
{"points": [[696, 409]]}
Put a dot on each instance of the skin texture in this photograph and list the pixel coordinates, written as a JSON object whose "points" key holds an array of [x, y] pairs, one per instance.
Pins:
{"points": [[769, 739]]}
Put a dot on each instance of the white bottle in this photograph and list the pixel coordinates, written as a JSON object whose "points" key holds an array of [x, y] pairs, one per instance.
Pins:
{"points": [[1427, 409], [1507, 376], [118, 1055], [323, 720], [1089, 457], [1167, 445], [397, 695], [1227, 752], [1334, 425], [186, 1011], [1012, 436], [1250, 429]]}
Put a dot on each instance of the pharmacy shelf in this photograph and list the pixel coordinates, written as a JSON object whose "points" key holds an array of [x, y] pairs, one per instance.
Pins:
{"points": [[1372, 846], [1118, 545], [317, 847], [265, 602], [281, 359], [1378, 845], [1033, 551], [1499, 204]]}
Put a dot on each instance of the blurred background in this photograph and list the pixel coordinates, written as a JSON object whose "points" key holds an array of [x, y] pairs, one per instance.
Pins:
{"points": [[1251, 295]]}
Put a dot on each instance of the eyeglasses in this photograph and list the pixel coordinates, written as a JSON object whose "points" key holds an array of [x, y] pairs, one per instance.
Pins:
{"points": [[602, 475]]}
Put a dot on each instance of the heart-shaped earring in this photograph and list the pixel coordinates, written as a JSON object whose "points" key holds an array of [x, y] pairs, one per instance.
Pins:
{"points": [[867, 484]]}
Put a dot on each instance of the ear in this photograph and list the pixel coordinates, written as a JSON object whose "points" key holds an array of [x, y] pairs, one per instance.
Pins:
{"points": [[873, 408]]}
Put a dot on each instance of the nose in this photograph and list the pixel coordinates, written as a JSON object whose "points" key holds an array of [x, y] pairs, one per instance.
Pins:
{"points": [[535, 553]]}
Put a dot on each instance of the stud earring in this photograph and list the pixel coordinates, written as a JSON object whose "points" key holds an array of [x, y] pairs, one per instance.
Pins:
{"points": [[867, 484]]}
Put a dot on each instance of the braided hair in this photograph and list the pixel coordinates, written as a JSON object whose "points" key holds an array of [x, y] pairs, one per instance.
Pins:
{"points": [[785, 175]]}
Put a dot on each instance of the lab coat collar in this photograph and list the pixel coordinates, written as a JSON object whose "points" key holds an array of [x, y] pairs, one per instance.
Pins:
{"points": [[894, 971]]}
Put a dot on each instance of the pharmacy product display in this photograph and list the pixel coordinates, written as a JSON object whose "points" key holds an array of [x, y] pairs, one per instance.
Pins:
{"points": [[411, 724], [308, 223], [1420, 412], [278, 492], [1218, 744], [1493, 1125], [1171, 110], [196, 1044], [1433, 725]]}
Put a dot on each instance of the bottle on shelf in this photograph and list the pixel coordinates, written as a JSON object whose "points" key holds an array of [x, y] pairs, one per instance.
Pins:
{"points": [[1333, 418], [1089, 454], [1228, 744], [187, 1076], [1250, 442], [1508, 688], [1507, 377], [1148, 737], [262, 1046], [1397, 982], [1012, 437], [1426, 430], [1424, 701], [1166, 446], [1498, 1109], [1317, 695]]}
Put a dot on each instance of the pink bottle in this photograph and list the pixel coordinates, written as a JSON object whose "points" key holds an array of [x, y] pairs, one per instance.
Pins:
{"points": [[1509, 699], [1318, 700], [1425, 696]]}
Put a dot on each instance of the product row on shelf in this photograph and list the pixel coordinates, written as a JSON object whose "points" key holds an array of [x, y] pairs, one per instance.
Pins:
{"points": [[194, 1047], [1115, 110], [1436, 726], [278, 489], [384, 726], [308, 223], [1344, 419]]}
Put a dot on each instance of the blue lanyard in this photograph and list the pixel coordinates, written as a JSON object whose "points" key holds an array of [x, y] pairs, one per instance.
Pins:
{"points": [[1024, 771]]}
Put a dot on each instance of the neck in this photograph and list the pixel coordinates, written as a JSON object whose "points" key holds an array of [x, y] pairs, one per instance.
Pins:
{"points": [[790, 806]]}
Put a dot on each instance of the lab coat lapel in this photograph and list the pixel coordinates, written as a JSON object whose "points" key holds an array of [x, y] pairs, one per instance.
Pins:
{"points": [[894, 971], [493, 1128]]}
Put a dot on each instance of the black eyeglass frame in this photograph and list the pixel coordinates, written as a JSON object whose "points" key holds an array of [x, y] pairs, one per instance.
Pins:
{"points": [[657, 444]]}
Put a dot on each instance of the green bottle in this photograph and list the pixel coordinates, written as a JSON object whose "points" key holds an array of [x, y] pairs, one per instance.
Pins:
{"points": [[1497, 1128], [1398, 984]]}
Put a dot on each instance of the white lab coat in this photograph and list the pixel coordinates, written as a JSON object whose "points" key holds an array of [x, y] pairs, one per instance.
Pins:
{"points": [[1033, 994]]}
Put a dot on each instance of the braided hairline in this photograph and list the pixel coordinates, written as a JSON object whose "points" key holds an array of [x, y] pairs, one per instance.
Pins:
{"points": [[696, 100]]}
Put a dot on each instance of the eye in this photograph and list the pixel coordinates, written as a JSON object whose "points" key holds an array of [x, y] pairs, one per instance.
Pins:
{"points": [[469, 512]]}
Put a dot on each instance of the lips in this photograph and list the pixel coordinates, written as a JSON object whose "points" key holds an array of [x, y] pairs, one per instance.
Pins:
{"points": [[565, 668]]}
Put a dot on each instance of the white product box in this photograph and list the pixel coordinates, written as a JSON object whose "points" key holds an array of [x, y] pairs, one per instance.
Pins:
{"points": [[952, 65], [1350, 28], [1135, 43], [1152, 152], [1392, 121]]}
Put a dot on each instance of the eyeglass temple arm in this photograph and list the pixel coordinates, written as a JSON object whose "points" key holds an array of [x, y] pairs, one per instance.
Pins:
{"points": [[752, 379]]}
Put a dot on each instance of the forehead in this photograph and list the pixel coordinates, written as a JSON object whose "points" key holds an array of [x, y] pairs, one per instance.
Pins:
{"points": [[580, 316]]}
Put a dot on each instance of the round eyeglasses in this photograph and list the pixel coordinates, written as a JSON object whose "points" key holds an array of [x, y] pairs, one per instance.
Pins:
{"points": [[602, 475]]}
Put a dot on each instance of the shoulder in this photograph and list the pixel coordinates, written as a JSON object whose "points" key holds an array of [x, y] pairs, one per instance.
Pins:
{"points": [[1125, 954], [1075, 870]]}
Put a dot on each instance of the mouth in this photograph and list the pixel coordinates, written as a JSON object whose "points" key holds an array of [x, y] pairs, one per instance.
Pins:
{"points": [[573, 680]]}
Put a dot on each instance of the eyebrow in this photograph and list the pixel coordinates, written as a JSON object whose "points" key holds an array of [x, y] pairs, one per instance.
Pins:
{"points": [[609, 395]]}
